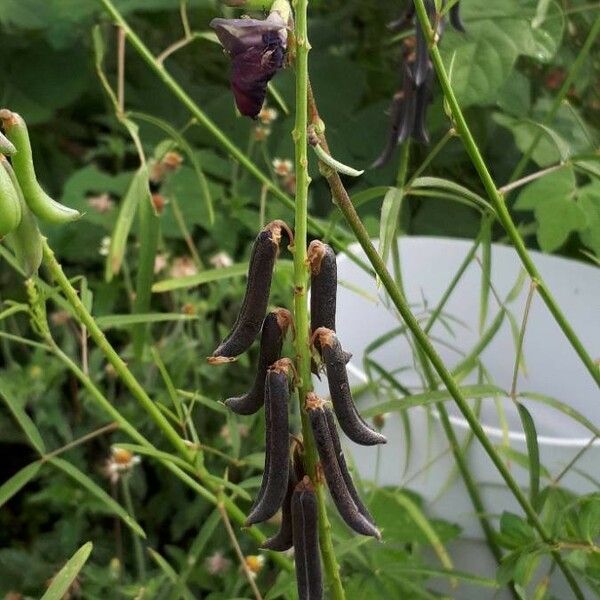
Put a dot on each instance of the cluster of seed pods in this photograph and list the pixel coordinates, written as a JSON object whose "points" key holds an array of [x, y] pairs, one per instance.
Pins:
{"points": [[408, 111], [285, 484]]}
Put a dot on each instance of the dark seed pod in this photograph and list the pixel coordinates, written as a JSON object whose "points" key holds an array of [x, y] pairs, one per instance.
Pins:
{"points": [[339, 388], [274, 329], [275, 477], [409, 102], [323, 288], [392, 141], [336, 483], [309, 577], [405, 20], [339, 453], [256, 299], [455, 18], [422, 100], [283, 539], [422, 58]]}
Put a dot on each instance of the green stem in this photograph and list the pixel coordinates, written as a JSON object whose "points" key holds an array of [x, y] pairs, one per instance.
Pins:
{"points": [[573, 73], [137, 543], [113, 357], [205, 121], [302, 341], [340, 196], [497, 199]]}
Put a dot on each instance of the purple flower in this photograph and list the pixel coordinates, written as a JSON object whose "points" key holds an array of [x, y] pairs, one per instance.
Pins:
{"points": [[257, 50]]}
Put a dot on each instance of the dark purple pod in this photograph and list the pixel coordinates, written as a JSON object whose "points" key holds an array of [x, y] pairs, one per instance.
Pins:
{"points": [[309, 576], [339, 388], [256, 299], [455, 18], [274, 329], [339, 453], [277, 457], [405, 19], [423, 98], [422, 58], [409, 103], [396, 114], [283, 539], [257, 50], [336, 483]]}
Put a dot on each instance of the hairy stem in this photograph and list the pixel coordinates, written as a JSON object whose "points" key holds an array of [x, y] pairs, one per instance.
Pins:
{"points": [[497, 199], [302, 342]]}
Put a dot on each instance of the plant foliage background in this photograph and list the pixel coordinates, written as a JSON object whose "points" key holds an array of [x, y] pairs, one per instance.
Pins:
{"points": [[506, 71]]}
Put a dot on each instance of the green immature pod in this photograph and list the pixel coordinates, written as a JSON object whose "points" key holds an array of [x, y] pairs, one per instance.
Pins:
{"points": [[6, 147], [38, 201], [10, 207], [309, 576], [26, 240], [254, 306]]}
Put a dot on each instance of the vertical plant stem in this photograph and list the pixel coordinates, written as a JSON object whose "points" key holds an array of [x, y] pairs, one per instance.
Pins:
{"points": [[302, 341], [341, 198], [497, 199], [137, 542]]}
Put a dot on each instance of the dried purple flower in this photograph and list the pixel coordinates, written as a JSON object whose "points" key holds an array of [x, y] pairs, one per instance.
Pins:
{"points": [[257, 50]]}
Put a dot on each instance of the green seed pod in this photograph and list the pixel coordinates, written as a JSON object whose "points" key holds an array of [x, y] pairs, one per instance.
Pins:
{"points": [[6, 147], [38, 201], [10, 207], [26, 240]]}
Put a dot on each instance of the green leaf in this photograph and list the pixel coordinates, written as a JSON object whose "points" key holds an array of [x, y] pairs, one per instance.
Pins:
{"points": [[138, 192], [388, 223], [19, 480], [111, 321], [208, 276], [96, 491], [168, 570], [427, 398], [589, 201], [22, 418], [558, 185], [437, 183], [533, 452], [515, 532], [65, 577], [557, 220]]}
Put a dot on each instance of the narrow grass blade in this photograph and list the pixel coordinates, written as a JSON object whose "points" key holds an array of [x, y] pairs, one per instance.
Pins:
{"points": [[65, 577], [208, 276], [18, 481], [31, 431], [533, 452]]}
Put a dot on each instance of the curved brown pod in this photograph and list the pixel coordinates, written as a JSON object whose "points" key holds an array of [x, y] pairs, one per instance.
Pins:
{"points": [[283, 539], [256, 299], [348, 417], [336, 483], [309, 577], [277, 461], [455, 18], [337, 446], [274, 329]]}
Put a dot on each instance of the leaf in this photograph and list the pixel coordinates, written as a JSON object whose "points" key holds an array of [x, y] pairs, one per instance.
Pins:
{"points": [[22, 418], [208, 276], [589, 201], [116, 321], [388, 223], [558, 219], [96, 491], [533, 452], [515, 532], [138, 192], [168, 570], [19, 480], [65, 577], [437, 183], [558, 185], [427, 398]]}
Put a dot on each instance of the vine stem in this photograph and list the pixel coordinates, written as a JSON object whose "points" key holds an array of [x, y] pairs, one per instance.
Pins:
{"points": [[302, 341], [497, 198], [205, 121], [341, 198]]}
